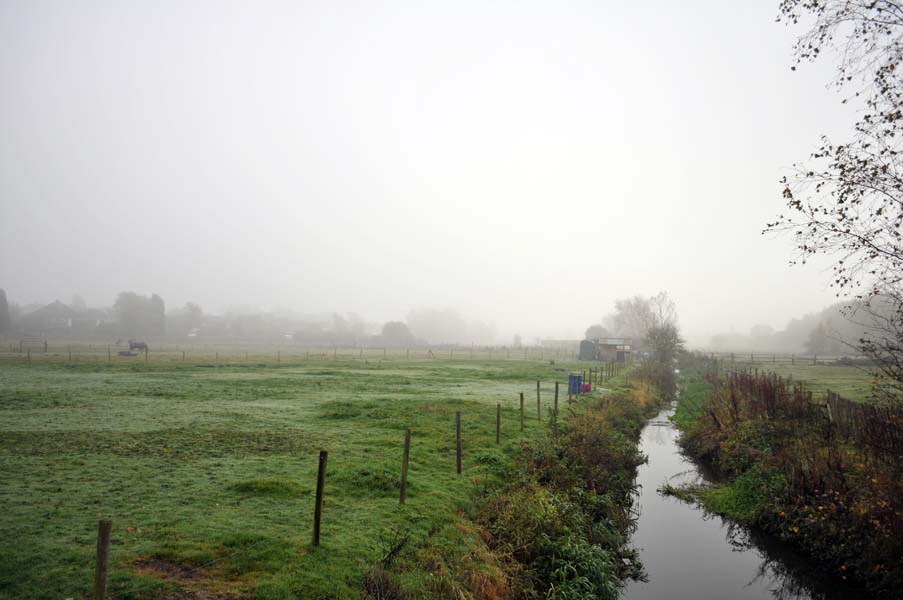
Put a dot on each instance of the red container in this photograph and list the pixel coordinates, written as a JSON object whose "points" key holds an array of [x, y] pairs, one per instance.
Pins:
{"points": [[587, 387]]}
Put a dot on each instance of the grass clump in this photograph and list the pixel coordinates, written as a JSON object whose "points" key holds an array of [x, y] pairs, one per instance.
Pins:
{"points": [[267, 487]]}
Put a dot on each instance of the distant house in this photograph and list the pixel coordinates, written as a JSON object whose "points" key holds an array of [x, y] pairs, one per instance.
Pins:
{"points": [[606, 349], [54, 319]]}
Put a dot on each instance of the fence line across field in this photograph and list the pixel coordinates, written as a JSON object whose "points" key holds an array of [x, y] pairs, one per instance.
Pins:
{"points": [[104, 539], [782, 358], [228, 353]]}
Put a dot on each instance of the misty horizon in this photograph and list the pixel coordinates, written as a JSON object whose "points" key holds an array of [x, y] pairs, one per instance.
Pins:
{"points": [[364, 161]]}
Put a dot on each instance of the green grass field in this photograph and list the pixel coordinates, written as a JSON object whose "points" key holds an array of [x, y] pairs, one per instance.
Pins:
{"points": [[854, 382], [208, 473]]}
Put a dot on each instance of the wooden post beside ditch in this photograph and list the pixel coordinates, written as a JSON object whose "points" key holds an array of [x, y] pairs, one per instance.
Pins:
{"points": [[458, 441], [318, 501], [103, 558], [538, 403], [521, 411], [404, 465]]}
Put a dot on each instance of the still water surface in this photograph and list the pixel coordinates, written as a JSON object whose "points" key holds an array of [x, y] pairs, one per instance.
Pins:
{"points": [[689, 554]]}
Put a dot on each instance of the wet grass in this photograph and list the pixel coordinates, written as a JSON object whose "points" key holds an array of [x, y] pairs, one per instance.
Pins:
{"points": [[211, 471]]}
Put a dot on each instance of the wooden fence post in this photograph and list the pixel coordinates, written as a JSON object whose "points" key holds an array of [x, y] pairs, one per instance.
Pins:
{"points": [[183, 356], [404, 464], [521, 411], [278, 356], [407, 353], [145, 353], [318, 502], [109, 355], [458, 441], [538, 404], [555, 406], [103, 559], [29, 356], [498, 422]]}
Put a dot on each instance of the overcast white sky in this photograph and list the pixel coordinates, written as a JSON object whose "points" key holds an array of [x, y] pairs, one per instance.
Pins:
{"points": [[525, 163]]}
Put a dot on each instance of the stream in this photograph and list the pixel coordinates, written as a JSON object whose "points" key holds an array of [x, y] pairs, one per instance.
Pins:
{"points": [[689, 554]]}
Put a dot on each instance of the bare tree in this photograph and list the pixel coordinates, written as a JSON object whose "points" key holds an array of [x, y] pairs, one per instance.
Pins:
{"points": [[635, 317], [847, 200]]}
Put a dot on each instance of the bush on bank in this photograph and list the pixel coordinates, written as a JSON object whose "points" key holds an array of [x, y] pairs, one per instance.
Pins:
{"points": [[788, 472], [553, 525]]}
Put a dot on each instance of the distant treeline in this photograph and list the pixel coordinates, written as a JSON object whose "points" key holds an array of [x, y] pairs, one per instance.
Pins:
{"points": [[134, 315], [832, 331]]}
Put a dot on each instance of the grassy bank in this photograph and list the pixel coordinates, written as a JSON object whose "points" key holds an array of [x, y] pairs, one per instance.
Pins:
{"points": [[208, 475], [788, 472]]}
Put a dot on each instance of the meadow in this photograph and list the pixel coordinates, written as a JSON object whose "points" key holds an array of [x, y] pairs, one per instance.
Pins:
{"points": [[208, 469], [849, 380]]}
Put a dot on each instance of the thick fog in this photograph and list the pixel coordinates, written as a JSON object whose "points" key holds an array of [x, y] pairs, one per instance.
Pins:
{"points": [[523, 164]]}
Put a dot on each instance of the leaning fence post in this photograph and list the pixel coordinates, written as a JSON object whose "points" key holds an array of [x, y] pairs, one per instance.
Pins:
{"points": [[404, 464], [521, 411], [103, 558], [458, 441], [318, 506]]}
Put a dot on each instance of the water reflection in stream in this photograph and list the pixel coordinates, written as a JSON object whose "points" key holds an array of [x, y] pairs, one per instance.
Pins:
{"points": [[689, 554]]}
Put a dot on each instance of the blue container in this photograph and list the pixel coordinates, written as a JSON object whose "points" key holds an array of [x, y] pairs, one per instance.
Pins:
{"points": [[575, 384]]}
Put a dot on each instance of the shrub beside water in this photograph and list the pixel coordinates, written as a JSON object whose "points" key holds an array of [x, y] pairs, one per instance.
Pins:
{"points": [[791, 474]]}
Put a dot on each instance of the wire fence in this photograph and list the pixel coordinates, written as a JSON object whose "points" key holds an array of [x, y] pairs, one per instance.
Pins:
{"points": [[784, 358], [57, 351], [593, 377], [875, 427]]}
